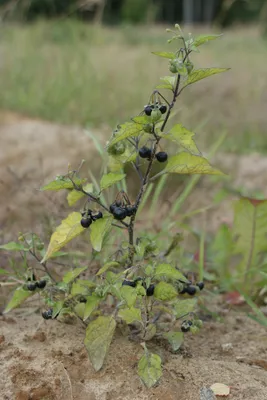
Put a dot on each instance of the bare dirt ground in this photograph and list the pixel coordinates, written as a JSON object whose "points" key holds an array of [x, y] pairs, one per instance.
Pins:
{"points": [[42, 360], [47, 360]]}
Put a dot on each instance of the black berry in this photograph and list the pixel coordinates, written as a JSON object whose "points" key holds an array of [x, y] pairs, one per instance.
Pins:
{"points": [[186, 325], [191, 290], [47, 314], [200, 285], [86, 222], [126, 282], [119, 213], [145, 152], [150, 290], [130, 210], [97, 216], [183, 291], [112, 208], [148, 110], [83, 299], [163, 109], [31, 287], [41, 284], [161, 156]]}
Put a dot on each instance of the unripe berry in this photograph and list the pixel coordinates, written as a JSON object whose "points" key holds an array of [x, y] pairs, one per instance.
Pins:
{"points": [[155, 115]]}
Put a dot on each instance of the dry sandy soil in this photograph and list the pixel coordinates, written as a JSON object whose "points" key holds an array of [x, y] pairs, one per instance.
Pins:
{"points": [[47, 360]]}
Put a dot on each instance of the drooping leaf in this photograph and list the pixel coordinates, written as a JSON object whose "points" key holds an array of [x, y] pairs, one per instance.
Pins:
{"points": [[111, 264], [164, 54], [62, 182], [98, 230], [169, 272], [71, 275], [183, 137], [129, 129], [19, 296], [250, 230], [149, 369], [91, 305], [186, 163], [165, 291], [184, 307], [129, 294], [202, 39], [75, 195], [110, 179], [65, 232], [203, 73], [130, 315], [13, 246], [175, 339], [168, 82], [99, 334]]}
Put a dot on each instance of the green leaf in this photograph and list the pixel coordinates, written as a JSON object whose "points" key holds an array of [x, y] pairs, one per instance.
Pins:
{"points": [[202, 39], [65, 232], [164, 291], [168, 82], [203, 73], [78, 288], [129, 129], [110, 179], [129, 294], [99, 334], [175, 339], [164, 54], [19, 296], [130, 315], [91, 305], [141, 119], [184, 307], [111, 264], [79, 310], [75, 195], [186, 163], [183, 137], [13, 246], [71, 275], [62, 182], [149, 369], [4, 272], [250, 230], [169, 272], [57, 307], [98, 230]]}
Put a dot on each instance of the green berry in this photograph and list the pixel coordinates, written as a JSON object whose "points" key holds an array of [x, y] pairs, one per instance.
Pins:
{"points": [[155, 115]]}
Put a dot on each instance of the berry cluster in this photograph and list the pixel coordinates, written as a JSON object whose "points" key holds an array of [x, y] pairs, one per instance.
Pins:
{"points": [[148, 109], [149, 290], [192, 289], [186, 325], [145, 152], [88, 217], [32, 286], [120, 210]]}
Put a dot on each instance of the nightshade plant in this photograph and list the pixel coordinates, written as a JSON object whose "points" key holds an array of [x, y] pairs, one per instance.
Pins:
{"points": [[140, 283]]}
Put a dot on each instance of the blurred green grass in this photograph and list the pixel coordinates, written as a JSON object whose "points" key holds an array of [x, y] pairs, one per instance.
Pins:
{"points": [[74, 73]]}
